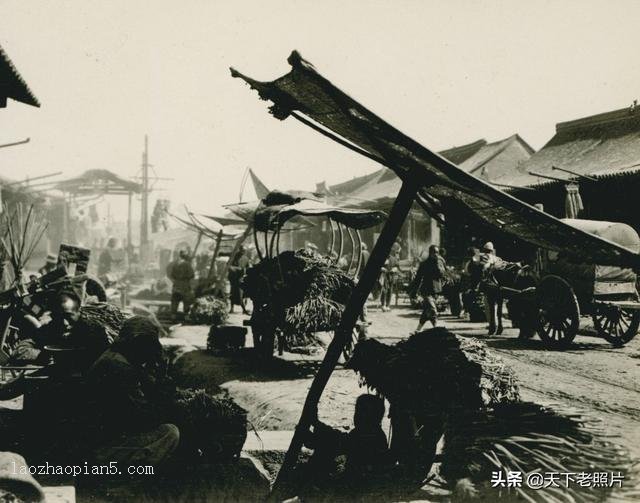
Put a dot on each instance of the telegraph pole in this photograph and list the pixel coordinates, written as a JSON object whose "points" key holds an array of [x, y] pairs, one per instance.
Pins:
{"points": [[144, 216]]}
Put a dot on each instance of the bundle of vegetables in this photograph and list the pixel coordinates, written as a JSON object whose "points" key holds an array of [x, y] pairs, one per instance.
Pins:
{"points": [[435, 366], [208, 310], [525, 437], [304, 290], [213, 427], [103, 315], [474, 399]]}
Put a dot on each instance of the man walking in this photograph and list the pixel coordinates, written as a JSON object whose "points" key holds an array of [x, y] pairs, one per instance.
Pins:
{"points": [[428, 283], [181, 274]]}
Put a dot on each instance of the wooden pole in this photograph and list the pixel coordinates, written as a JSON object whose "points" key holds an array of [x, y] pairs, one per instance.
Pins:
{"points": [[212, 266], [352, 311], [225, 271], [129, 231]]}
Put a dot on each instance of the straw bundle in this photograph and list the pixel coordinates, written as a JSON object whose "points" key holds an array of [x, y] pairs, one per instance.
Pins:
{"points": [[213, 426], [21, 230], [474, 399], [303, 289]]}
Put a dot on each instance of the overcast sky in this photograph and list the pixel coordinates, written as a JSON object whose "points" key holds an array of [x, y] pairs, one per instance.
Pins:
{"points": [[445, 72]]}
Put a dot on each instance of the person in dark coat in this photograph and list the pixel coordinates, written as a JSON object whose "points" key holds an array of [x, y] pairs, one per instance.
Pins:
{"points": [[125, 418], [428, 283], [237, 270], [365, 446], [181, 274]]}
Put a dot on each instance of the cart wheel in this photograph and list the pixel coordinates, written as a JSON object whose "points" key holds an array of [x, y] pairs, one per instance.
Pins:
{"points": [[618, 326], [559, 315]]}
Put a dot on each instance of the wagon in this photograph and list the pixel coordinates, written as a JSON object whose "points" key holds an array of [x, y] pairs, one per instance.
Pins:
{"points": [[568, 290], [270, 303]]}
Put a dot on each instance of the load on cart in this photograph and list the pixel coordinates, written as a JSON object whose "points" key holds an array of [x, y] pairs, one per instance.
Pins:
{"points": [[564, 290], [298, 293]]}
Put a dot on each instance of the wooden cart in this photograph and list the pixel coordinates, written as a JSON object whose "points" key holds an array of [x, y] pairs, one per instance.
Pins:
{"points": [[566, 291]]}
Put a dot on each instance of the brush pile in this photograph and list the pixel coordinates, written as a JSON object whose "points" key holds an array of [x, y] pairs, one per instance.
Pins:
{"points": [[21, 231], [474, 399], [304, 290], [435, 367], [103, 315], [526, 437], [213, 427], [208, 310]]}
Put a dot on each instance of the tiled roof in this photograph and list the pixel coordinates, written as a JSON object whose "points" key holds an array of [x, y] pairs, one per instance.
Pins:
{"points": [[601, 144], [498, 158], [12, 85]]}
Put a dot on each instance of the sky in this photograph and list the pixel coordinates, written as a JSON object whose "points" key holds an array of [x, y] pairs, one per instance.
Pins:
{"points": [[107, 72]]}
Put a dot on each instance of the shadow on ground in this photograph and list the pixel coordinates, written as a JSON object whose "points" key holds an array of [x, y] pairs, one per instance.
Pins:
{"points": [[202, 368]]}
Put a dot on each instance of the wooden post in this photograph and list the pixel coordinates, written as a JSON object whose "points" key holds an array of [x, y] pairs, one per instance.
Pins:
{"points": [[352, 311], [223, 276], [212, 266], [129, 233]]}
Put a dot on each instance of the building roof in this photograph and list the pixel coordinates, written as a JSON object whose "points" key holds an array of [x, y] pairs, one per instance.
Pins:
{"points": [[603, 144], [499, 158], [458, 155], [382, 186], [12, 85], [98, 181], [384, 176]]}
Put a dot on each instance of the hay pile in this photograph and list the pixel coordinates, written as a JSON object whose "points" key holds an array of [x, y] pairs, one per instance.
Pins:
{"points": [[305, 292], [208, 310], [104, 316], [457, 386], [213, 428], [435, 367]]}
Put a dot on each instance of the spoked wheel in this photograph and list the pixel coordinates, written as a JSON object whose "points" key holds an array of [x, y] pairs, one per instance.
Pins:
{"points": [[615, 324], [559, 312]]}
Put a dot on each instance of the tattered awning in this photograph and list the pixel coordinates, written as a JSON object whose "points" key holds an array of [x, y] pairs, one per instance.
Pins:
{"points": [[12, 85], [98, 181], [225, 220], [274, 217], [309, 97]]}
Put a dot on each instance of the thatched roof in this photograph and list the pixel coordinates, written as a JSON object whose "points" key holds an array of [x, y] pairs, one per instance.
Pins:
{"points": [[12, 85], [603, 144]]}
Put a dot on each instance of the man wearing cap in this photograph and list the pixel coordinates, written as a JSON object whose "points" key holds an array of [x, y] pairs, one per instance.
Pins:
{"points": [[489, 260], [50, 265], [428, 283]]}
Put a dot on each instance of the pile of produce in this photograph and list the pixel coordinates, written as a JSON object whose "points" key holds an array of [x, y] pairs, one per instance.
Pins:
{"points": [[437, 367], [474, 399], [526, 437], [305, 291], [213, 427], [103, 315], [208, 310]]}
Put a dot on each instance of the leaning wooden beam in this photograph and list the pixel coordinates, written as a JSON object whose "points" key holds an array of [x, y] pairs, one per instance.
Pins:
{"points": [[352, 310], [214, 257]]}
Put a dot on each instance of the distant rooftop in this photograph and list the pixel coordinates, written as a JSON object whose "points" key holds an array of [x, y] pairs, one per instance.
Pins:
{"points": [[603, 144]]}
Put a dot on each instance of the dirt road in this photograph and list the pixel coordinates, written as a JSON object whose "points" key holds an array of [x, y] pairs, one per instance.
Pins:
{"points": [[592, 375], [602, 381]]}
